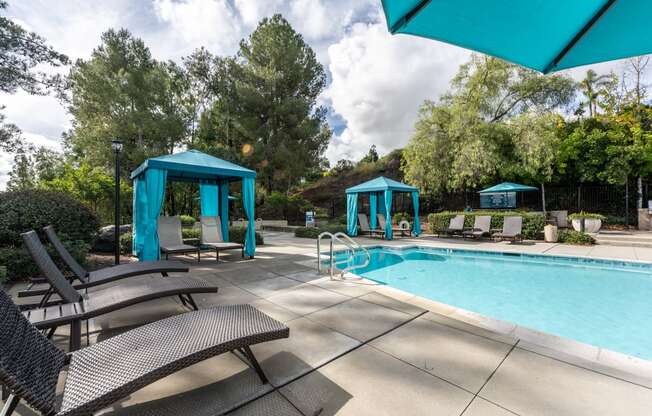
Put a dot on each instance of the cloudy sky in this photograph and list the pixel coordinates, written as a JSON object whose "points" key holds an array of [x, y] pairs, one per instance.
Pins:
{"points": [[376, 81]]}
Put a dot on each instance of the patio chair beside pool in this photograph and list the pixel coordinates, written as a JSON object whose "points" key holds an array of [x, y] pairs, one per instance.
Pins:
{"points": [[97, 277], [455, 227], [77, 307], [171, 240], [365, 228], [481, 227], [99, 375], [512, 229], [382, 222], [211, 236]]}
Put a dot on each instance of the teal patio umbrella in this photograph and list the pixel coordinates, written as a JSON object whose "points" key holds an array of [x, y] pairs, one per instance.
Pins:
{"points": [[506, 188], [545, 35]]}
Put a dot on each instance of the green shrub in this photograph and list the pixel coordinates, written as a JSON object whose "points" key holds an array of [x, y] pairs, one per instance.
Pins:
{"points": [[400, 216], [187, 220], [237, 235], [190, 233], [532, 223], [586, 215], [125, 243], [22, 211], [3, 274], [313, 232], [575, 237]]}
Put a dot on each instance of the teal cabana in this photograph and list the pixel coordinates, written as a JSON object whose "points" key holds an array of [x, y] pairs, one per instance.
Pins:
{"points": [[380, 201], [503, 195], [213, 175]]}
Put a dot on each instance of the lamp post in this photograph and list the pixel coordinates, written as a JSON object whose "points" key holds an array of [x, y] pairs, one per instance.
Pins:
{"points": [[116, 145]]}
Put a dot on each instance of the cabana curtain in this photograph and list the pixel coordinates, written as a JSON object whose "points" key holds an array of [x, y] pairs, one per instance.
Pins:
{"points": [[352, 214], [248, 203], [373, 208], [416, 228], [149, 193], [388, 215], [208, 199]]}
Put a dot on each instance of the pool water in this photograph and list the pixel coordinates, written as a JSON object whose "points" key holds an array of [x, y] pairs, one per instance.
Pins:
{"points": [[600, 302]]}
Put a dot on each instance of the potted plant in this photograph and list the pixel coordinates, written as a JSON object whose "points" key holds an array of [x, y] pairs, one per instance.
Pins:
{"points": [[592, 221]]}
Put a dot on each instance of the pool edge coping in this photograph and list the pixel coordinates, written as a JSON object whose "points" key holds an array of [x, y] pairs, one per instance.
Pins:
{"points": [[601, 360]]}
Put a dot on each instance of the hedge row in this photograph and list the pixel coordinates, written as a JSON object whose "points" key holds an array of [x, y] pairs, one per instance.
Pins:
{"points": [[532, 223], [236, 235], [313, 232], [29, 210]]}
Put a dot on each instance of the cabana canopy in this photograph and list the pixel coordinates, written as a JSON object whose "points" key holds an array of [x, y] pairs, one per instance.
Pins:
{"points": [[545, 35], [213, 175], [383, 187]]}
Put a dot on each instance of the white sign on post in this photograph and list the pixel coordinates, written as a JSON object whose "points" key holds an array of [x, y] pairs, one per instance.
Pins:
{"points": [[310, 218]]}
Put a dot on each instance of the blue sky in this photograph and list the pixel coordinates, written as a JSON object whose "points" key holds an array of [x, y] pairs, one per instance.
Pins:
{"points": [[376, 81]]}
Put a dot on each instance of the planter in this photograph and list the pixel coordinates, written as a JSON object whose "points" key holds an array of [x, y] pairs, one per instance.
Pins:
{"points": [[591, 225], [551, 233]]}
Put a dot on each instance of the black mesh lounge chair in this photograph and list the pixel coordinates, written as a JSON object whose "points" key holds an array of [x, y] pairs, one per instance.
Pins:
{"points": [[365, 228], [171, 240], [98, 277], [456, 226], [78, 307], [100, 375], [211, 236], [481, 227], [512, 229]]}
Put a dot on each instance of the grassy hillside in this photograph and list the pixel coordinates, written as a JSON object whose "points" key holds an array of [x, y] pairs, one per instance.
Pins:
{"points": [[328, 192]]}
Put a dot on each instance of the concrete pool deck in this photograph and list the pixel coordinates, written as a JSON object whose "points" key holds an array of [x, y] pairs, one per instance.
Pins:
{"points": [[358, 348]]}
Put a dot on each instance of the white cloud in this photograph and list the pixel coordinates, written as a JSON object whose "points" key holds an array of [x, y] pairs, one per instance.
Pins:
{"points": [[211, 23], [378, 83]]}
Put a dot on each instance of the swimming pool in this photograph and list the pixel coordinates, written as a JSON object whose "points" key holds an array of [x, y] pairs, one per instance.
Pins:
{"points": [[600, 302]]}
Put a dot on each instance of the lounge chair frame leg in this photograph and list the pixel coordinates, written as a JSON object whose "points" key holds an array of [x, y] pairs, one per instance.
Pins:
{"points": [[217, 255], [10, 405], [74, 342], [246, 351], [191, 301], [183, 301]]}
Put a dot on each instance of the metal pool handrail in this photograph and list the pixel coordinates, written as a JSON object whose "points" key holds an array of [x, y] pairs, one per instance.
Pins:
{"points": [[348, 242]]}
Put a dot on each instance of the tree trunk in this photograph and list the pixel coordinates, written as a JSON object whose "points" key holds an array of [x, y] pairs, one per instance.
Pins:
{"points": [[639, 193], [543, 198]]}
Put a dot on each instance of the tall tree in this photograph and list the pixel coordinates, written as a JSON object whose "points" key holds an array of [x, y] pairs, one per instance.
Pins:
{"points": [[122, 92], [21, 53], [593, 87], [267, 106], [466, 137]]}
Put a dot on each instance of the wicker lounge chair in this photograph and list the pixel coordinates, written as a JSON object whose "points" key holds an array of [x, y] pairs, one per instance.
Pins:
{"points": [[481, 227], [365, 228], [456, 226], [512, 229], [170, 239], [78, 307], [99, 375], [211, 236], [97, 277]]}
